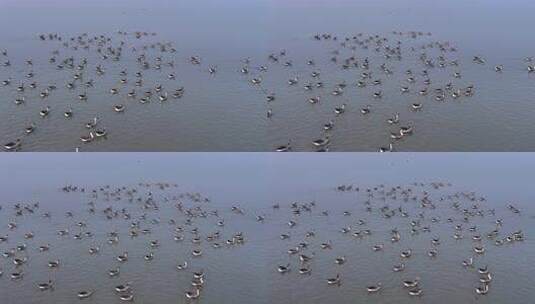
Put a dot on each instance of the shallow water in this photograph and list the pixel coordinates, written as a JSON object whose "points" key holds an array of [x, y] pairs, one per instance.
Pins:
{"points": [[224, 112], [254, 182]]}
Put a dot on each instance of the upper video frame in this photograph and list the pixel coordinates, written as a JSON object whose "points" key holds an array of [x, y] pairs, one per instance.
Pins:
{"points": [[265, 76]]}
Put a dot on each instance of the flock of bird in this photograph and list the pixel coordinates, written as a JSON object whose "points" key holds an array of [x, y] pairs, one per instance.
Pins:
{"points": [[380, 202], [197, 223], [373, 62], [84, 74]]}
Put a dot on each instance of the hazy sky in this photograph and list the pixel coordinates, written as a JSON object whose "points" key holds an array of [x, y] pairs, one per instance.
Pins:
{"points": [[263, 171], [509, 20]]}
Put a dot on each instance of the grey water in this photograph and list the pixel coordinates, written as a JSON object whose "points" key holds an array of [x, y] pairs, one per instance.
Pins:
{"points": [[253, 182], [225, 112]]}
